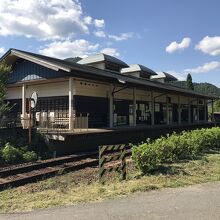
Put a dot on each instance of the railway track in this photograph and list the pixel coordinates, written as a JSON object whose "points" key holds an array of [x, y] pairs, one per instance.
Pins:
{"points": [[21, 175]]}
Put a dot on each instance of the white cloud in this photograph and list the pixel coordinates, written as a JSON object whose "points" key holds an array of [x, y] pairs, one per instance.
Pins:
{"points": [[64, 49], [111, 51], [2, 50], [206, 67], [121, 37], [209, 45], [99, 23], [44, 19], [174, 46], [88, 20], [99, 34], [178, 75]]}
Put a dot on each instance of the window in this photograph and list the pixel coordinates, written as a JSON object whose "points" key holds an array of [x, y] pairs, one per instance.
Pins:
{"points": [[143, 113], [201, 113], [160, 114], [184, 113], [201, 102], [121, 112]]}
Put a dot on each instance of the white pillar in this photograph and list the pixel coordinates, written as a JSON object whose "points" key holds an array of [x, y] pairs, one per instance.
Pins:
{"points": [[111, 104], [23, 100], [152, 108], [197, 110], [71, 115], [179, 111], [134, 107], [23, 110]]}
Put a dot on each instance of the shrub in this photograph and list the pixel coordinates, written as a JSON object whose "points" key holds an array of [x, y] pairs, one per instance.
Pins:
{"points": [[11, 154], [29, 156], [186, 145], [145, 157]]}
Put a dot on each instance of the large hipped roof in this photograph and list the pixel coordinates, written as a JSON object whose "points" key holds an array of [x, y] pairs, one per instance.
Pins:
{"points": [[84, 71]]}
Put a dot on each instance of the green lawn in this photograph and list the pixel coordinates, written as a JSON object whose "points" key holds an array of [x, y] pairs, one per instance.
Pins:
{"points": [[82, 186]]}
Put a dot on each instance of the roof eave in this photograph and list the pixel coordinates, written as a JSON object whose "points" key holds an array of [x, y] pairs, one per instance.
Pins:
{"points": [[31, 58], [104, 74]]}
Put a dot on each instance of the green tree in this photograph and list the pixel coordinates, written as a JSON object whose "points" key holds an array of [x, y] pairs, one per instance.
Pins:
{"points": [[189, 82], [4, 71], [216, 106]]}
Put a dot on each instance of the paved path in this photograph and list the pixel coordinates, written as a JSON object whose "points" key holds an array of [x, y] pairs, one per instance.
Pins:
{"points": [[195, 202]]}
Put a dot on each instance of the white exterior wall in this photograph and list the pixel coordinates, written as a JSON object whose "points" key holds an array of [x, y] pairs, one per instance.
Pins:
{"points": [[142, 95], [162, 80], [161, 98], [174, 98], [184, 100], [124, 94], [84, 88], [60, 89], [14, 93], [193, 101], [49, 90], [136, 74], [43, 90]]}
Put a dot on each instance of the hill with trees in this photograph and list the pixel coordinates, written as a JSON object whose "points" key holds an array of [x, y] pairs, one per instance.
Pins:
{"points": [[206, 88]]}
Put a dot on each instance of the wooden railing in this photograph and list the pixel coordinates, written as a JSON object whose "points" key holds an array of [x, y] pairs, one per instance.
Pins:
{"points": [[47, 121], [10, 123], [61, 121]]}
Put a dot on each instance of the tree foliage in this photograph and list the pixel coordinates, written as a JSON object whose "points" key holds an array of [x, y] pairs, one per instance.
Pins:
{"points": [[216, 106], [10, 154], [189, 82], [206, 88], [4, 71]]}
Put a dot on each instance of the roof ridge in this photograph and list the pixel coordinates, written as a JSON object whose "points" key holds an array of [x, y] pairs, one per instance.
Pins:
{"points": [[134, 81]]}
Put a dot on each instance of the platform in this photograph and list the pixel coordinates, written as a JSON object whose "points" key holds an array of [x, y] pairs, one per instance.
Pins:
{"points": [[71, 142]]}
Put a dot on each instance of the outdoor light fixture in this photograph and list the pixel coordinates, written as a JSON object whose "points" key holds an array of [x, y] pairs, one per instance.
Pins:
{"points": [[121, 81]]}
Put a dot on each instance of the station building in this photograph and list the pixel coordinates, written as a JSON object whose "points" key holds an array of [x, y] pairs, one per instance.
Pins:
{"points": [[104, 89]]}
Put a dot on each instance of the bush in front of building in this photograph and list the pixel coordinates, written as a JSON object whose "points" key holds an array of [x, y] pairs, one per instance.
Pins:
{"points": [[186, 145], [29, 156], [13, 155], [18, 140]]}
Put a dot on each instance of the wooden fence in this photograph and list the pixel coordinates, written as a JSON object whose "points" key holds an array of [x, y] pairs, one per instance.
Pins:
{"points": [[110, 153]]}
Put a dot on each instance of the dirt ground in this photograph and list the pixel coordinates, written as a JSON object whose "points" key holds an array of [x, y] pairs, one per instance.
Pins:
{"points": [[198, 202]]}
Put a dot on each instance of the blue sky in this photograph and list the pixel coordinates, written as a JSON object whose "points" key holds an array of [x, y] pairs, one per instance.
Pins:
{"points": [[174, 36]]}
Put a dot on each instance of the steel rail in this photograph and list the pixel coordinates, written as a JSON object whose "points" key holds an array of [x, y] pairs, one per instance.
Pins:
{"points": [[24, 174], [18, 176]]}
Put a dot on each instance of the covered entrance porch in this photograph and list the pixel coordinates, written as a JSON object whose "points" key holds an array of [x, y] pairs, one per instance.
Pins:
{"points": [[121, 107]]}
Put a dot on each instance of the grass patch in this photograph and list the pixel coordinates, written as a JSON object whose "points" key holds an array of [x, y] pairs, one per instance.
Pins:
{"points": [[82, 186]]}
